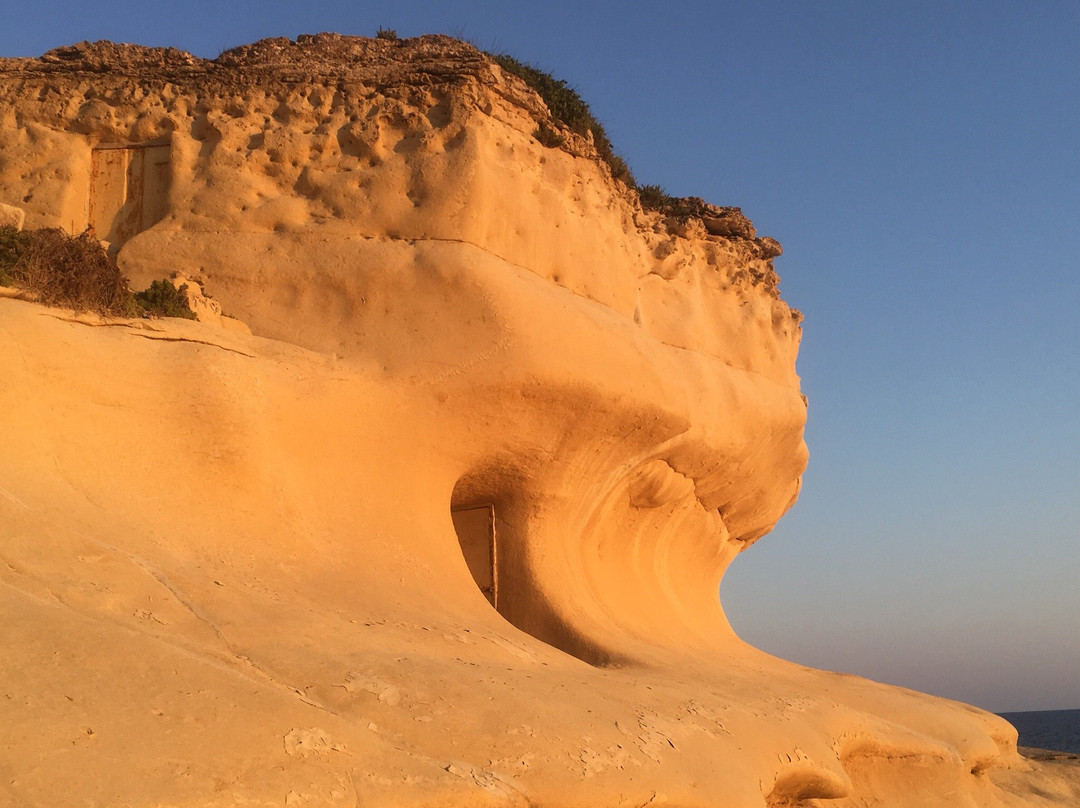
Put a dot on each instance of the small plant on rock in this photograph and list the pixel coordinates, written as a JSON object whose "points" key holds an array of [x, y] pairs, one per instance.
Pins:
{"points": [[386, 33], [162, 299], [653, 197], [548, 137]]}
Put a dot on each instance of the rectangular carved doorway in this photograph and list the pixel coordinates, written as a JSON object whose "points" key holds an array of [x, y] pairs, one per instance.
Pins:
{"points": [[129, 190], [475, 526]]}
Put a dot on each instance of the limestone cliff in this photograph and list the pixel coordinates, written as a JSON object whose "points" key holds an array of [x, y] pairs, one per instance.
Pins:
{"points": [[387, 202], [448, 528]]}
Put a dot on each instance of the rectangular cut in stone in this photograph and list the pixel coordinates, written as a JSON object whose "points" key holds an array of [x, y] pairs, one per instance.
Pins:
{"points": [[475, 528], [155, 193], [129, 190]]}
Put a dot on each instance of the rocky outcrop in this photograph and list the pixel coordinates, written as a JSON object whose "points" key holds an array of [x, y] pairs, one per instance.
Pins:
{"points": [[11, 216], [472, 354], [343, 140], [205, 309]]}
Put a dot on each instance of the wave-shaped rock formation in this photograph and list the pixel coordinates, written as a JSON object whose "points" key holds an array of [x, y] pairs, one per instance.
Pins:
{"points": [[448, 527]]}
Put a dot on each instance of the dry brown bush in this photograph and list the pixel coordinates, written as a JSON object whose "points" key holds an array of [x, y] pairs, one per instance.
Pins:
{"points": [[70, 271]]}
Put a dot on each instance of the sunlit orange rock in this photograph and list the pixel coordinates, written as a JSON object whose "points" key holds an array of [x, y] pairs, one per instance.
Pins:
{"points": [[447, 528]]}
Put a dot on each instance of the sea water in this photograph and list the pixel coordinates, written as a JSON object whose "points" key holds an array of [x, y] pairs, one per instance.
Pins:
{"points": [[1047, 729]]}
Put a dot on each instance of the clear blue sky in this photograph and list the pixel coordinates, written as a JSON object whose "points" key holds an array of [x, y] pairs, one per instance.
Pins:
{"points": [[920, 163]]}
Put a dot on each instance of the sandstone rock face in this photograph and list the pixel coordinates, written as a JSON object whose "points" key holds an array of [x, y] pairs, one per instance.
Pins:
{"points": [[11, 216], [251, 538], [205, 309]]}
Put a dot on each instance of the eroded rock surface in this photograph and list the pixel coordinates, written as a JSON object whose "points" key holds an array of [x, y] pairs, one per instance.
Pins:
{"points": [[229, 560]]}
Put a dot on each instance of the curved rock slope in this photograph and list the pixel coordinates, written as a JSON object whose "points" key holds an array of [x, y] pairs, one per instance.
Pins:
{"points": [[230, 561]]}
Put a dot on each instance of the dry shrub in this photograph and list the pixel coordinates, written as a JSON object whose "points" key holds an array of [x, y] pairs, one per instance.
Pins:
{"points": [[77, 273], [10, 239], [70, 271]]}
